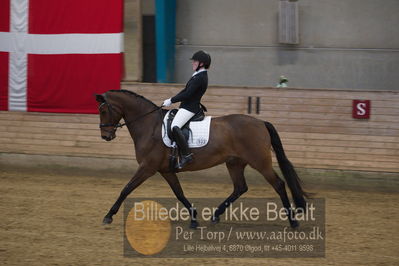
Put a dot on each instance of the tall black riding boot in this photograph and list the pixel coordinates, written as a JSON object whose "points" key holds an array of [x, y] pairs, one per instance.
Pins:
{"points": [[186, 156]]}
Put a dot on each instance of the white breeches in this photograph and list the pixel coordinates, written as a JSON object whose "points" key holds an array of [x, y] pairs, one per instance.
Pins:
{"points": [[181, 118]]}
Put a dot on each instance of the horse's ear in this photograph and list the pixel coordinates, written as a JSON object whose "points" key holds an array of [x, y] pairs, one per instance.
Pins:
{"points": [[100, 98]]}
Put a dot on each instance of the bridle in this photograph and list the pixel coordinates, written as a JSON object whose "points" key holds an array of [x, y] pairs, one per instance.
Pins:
{"points": [[114, 126], [117, 125]]}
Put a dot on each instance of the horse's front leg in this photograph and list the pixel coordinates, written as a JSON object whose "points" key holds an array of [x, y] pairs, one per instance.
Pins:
{"points": [[139, 177], [174, 184]]}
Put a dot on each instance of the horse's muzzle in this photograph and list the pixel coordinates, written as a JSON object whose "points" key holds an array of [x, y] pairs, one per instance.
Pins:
{"points": [[108, 138]]}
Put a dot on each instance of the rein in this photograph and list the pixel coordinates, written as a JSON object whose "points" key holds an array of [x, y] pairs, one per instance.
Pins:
{"points": [[120, 125]]}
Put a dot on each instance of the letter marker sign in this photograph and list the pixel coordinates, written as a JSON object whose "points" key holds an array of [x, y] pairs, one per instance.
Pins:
{"points": [[361, 109]]}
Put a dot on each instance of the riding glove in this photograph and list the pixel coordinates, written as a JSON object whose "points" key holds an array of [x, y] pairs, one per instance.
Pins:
{"points": [[167, 102]]}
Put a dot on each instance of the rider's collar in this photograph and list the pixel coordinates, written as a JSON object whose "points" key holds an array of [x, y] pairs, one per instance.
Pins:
{"points": [[199, 71]]}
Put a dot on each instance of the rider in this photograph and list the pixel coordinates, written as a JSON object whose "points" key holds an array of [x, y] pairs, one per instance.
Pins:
{"points": [[190, 98]]}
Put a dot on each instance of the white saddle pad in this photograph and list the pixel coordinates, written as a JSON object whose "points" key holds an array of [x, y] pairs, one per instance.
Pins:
{"points": [[199, 135]]}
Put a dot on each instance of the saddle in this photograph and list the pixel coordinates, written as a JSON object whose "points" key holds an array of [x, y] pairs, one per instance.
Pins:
{"points": [[186, 128]]}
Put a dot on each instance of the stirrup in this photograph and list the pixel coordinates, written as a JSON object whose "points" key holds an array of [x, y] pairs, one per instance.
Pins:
{"points": [[186, 159]]}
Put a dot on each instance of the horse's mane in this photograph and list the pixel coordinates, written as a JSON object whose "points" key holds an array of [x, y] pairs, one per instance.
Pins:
{"points": [[135, 94]]}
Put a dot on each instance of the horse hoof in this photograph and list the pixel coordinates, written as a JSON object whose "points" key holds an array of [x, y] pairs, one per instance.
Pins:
{"points": [[300, 210], [194, 225], [107, 220], [294, 224], [215, 220]]}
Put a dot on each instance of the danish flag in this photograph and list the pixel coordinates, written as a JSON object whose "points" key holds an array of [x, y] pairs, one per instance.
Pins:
{"points": [[55, 54]]}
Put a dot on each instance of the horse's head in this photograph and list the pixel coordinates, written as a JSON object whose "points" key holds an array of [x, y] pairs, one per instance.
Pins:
{"points": [[109, 117]]}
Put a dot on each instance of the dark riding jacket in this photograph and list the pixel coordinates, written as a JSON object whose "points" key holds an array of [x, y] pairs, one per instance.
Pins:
{"points": [[190, 96]]}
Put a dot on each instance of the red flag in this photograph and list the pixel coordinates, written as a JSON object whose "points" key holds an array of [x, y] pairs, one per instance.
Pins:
{"points": [[54, 55]]}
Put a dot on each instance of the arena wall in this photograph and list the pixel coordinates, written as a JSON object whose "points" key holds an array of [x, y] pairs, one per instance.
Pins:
{"points": [[342, 43], [316, 126]]}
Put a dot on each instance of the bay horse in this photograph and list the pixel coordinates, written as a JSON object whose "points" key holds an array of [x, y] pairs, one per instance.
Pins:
{"points": [[236, 140]]}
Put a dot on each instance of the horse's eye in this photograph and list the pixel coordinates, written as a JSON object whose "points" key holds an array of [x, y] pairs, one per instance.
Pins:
{"points": [[103, 112]]}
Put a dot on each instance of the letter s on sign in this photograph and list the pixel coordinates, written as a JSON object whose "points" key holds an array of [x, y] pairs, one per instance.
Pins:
{"points": [[361, 109]]}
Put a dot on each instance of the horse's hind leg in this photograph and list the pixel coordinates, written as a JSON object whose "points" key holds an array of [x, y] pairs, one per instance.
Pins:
{"points": [[279, 186], [236, 168], [139, 177], [174, 184]]}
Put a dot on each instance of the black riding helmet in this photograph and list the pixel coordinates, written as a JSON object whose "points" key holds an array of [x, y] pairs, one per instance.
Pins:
{"points": [[202, 57]]}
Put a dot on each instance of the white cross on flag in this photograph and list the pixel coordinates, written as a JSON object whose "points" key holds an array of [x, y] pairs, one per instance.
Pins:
{"points": [[56, 54]]}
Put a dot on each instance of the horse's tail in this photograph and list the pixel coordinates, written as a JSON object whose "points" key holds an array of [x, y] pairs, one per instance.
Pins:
{"points": [[290, 175]]}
